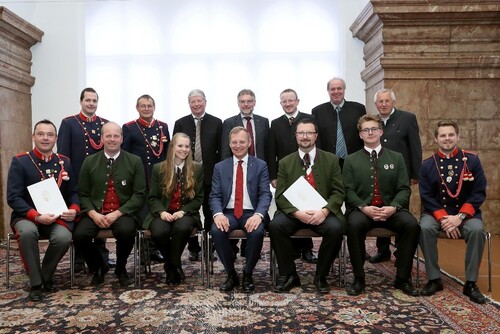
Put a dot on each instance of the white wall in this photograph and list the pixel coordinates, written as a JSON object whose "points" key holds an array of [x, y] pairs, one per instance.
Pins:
{"points": [[59, 61]]}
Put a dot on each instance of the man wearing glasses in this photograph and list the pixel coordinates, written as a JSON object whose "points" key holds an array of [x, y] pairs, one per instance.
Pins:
{"points": [[147, 138], [377, 192], [322, 171]]}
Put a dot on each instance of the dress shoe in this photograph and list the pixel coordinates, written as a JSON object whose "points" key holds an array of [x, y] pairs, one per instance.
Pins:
{"points": [[287, 283], [180, 274], [111, 263], [406, 287], [308, 256], [247, 283], [194, 256], [380, 257], [432, 287], [99, 274], [321, 284], [231, 282], [49, 287], [36, 293], [472, 291], [78, 267], [156, 256], [123, 278], [357, 286]]}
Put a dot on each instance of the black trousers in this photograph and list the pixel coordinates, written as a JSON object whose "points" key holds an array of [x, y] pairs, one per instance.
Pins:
{"points": [[171, 237], [124, 230], [282, 227], [403, 223]]}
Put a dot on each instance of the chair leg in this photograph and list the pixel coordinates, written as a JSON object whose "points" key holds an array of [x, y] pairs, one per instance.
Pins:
{"points": [[488, 240], [140, 236], [71, 264], [209, 265], [417, 283], [137, 278], [204, 256], [7, 260]]}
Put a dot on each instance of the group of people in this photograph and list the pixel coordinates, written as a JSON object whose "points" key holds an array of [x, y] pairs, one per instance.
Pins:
{"points": [[123, 178]]}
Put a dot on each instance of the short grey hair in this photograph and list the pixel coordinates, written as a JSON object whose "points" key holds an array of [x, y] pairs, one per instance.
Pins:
{"points": [[382, 91], [197, 92], [335, 78]]}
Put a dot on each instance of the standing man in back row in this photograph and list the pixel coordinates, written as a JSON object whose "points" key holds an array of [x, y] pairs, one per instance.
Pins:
{"points": [[400, 134], [79, 137], [337, 121]]}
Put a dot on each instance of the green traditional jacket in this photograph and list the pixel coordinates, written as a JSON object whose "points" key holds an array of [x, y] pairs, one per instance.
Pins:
{"points": [[359, 179], [128, 177], [327, 177], [158, 202]]}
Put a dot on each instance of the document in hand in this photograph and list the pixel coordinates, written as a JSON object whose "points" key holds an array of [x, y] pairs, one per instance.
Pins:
{"points": [[47, 197], [303, 196]]}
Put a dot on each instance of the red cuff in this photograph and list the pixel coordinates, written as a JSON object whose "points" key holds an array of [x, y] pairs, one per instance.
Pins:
{"points": [[439, 214], [32, 214], [75, 207], [468, 209]]}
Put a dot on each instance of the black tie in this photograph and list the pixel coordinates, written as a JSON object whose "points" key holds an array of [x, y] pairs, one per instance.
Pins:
{"points": [[307, 162], [291, 120], [110, 161]]}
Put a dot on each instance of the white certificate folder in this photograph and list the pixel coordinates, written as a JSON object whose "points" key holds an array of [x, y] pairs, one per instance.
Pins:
{"points": [[47, 197], [303, 196]]}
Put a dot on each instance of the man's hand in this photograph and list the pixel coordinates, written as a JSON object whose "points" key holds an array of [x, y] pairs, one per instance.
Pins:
{"points": [[450, 225], [252, 223], [379, 214], [310, 217], [99, 219], [46, 218], [113, 216], [69, 215], [222, 222]]}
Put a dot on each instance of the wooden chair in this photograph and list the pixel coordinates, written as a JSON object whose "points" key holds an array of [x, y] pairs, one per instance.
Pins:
{"points": [[13, 237], [442, 235], [143, 251], [308, 233]]}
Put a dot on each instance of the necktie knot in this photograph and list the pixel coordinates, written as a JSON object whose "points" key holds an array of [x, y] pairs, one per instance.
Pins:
{"points": [[110, 161], [337, 109], [248, 118], [374, 154], [291, 120]]}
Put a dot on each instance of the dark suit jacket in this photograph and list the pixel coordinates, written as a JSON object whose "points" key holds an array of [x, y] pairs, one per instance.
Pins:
{"points": [[326, 117], [261, 134], [401, 135], [128, 176], [327, 176], [138, 138], [73, 139], [282, 141], [257, 184], [358, 179], [158, 202], [211, 132]]}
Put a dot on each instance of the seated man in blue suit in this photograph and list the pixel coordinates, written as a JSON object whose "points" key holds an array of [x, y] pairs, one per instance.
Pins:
{"points": [[240, 199]]}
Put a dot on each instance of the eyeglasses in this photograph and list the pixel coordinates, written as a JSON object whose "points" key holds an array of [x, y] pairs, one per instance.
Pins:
{"points": [[305, 134], [246, 101], [368, 130], [146, 106]]}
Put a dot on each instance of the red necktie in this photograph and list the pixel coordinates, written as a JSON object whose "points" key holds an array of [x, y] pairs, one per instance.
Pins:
{"points": [[238, 196], [377, 199], [251, 150]]}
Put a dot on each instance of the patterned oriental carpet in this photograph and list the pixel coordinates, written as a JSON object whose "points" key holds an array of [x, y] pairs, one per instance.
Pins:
{"points": [[192, 308]]}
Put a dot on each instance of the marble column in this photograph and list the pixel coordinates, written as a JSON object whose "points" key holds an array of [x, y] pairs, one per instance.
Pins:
{"points": [[442, 59], [16, 38]]}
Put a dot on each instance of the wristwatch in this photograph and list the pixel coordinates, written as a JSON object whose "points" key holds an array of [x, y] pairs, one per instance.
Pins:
{"points": [[462, 216]]}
